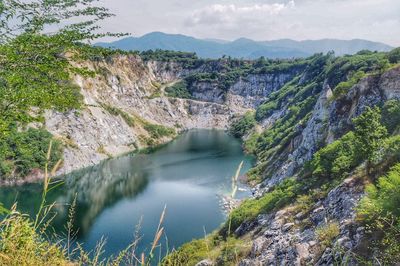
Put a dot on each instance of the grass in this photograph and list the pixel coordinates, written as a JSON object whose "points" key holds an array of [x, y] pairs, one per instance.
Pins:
{"points": [[24, 241], [118, 112], [327, 233]]}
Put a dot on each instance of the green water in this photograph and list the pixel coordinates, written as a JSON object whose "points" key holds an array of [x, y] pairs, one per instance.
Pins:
{"points": [[187, 175]]}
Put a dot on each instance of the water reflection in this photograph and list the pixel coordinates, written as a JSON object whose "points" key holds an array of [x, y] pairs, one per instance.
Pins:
{"points": [[187, 175]]}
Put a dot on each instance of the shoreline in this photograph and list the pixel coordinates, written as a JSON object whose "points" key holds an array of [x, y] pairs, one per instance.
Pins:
{"points": [[37, 175]]}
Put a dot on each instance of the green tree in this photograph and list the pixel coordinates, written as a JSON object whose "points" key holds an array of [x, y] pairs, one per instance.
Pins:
{"points": [[35, 55], [391, 115], [394, 56], [369, 133]]}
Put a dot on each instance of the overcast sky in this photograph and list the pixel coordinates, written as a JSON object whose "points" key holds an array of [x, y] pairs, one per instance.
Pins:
{"points": [[376, 20]]}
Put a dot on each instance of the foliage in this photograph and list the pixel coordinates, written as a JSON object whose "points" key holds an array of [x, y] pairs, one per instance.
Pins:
{"points": [[394, 56], [159, 131], [179, 90], [186, 59], [251, 208], [21, 244], [369, 132], [223, 252], [118, 112], [337, 159], [189, 253], [343, 68], [327, 233], [243, 125], [391, 115], [379, 210], [265, 110], [23, 151], [344, 86], [43, 79]]}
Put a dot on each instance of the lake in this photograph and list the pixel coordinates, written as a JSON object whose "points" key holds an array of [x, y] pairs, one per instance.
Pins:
{"points": [[187, 175]]}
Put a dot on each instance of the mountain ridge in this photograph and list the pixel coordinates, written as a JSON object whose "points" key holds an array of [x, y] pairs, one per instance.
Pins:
{"points": [[243, 47]]}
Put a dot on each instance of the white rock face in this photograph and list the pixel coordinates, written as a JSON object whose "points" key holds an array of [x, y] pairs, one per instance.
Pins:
{"points": [[133, 87]]}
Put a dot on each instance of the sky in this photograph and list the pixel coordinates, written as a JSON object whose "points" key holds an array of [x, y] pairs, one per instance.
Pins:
{"points": [[375, 20]]}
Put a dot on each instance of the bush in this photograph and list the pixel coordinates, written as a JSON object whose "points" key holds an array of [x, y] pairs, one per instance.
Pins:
{"points": [[380, 211], [265, 110], [118, 112], [179, 90], [327, 233], [391, 115], [343, 87], [240, 127], [394, 56], [337, 159], [21, 152], [21, 244], [158, 131], [188, 254], [283, 194]]}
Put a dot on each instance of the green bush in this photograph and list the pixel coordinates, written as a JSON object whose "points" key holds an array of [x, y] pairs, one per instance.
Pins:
{"points": [[158, 131], [118, 112], [394, 56], [380, 211], [391, 115], [242, 126], [188, 254], [179, 90], [337, 159], [344, 86], [265, 110], [251, 208], [24, 151]]}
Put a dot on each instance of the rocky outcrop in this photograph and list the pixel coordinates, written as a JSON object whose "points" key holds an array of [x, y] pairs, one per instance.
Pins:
{"points": [[331, 118], [289, 238]]}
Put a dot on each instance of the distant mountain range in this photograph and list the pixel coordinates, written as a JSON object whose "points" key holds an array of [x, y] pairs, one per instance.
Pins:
{"points": [[243, 48]]}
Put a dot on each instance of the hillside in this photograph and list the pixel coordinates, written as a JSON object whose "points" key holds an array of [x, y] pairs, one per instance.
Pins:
{"points": [[304, 119], [243, 48]]}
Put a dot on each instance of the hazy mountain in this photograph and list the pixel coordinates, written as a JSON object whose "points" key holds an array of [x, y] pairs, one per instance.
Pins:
{"points": [[243, 48]]}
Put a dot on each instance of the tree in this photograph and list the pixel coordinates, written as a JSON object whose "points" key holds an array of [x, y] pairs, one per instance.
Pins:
{"points": [[391, 115], [394, 56], [369, 133], [35, 55]]}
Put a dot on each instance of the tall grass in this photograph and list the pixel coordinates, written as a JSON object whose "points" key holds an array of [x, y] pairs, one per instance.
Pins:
{"points": [[25, 241]]}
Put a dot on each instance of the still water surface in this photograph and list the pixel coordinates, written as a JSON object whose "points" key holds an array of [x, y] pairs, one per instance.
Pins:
{"points": [[187, 175]]}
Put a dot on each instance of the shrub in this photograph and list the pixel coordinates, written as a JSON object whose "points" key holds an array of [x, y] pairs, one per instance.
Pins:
{"points": [[188, 254], [24, 151], [21, 244], [118, 112], [380, 211], [179, 90], [327, 233], [240, 127], [394, 56], [391, 115], [251, 208], [336, 159], [158, 131], [343, 87], [265, 110], [369, 133]]}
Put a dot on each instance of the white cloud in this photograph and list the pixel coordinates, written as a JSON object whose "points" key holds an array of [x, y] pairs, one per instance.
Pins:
{"points": [[377, 20], [230, 13]]}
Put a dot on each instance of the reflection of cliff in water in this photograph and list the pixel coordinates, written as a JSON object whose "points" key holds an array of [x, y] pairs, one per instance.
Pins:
{"points": [[99, 187]]}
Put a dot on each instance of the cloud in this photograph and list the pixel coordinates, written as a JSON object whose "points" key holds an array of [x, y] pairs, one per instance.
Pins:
{"points": [[376, 20], [230, 13]]}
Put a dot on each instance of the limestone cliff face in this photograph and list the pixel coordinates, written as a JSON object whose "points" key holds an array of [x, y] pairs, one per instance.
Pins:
{"points": [[331, 118], [134, 88], [280, 238]]}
